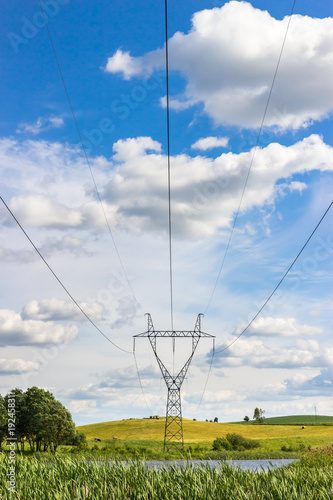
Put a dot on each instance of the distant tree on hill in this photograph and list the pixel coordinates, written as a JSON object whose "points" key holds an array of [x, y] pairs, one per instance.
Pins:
{"points": [[246, 418], [258, 415]]}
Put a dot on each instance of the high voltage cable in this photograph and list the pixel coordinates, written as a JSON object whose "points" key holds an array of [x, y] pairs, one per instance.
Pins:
{"points": [[140, 381], [252, 159], [264, 304], [279, 283], [169, 169], [60, 282], [86, 156]]}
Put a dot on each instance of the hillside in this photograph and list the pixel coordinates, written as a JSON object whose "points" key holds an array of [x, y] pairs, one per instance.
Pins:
{"points": [[196, 432], [295, 420]]}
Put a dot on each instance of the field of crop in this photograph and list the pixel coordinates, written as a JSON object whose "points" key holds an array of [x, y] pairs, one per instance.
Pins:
{"points": [[195, 431], [310, 479], [295, 420], [145, 436]]}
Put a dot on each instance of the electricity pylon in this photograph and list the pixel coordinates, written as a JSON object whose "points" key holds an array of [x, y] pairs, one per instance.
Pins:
{"points": [[173, 436]]}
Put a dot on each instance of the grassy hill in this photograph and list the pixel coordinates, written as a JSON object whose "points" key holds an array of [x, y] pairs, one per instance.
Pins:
{"points": [[295, 420], [148, 434]]}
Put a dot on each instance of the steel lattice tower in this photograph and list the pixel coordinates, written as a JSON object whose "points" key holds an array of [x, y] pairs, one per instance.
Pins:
{"points": [[173, 436]]}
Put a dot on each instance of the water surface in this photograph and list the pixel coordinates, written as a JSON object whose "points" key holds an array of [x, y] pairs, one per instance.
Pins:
{"points": [[254, 465]]}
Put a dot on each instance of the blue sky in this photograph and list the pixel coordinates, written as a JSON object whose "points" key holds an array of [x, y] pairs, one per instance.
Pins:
{"points": [[222, 58]]}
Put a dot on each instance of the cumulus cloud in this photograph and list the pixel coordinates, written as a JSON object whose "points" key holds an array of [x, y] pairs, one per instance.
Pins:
{"points": [[39, 210], [203, 188], [17, 331], [60, 310], [257, 354], [214, 397], [42, 124], [49, 247], [298, 385], [210, 142], [205, 191], [127, 310], [17, 366], [228, 59], [280, 327], [123, 62]]}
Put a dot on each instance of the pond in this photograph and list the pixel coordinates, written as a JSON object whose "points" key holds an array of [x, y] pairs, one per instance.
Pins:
{"points": [[254, 465]]}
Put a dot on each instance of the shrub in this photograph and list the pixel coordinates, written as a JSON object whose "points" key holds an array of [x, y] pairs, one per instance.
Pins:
{"points": [[235, 442], [220, 444]]}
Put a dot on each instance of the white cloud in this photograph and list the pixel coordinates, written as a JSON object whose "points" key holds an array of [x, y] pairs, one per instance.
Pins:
{"points": [[126, 310], [17, 366], [203, 188], [59, 310], [298, 385], [214, 397], [257, 354], [122, 62], [280, 327], [228, 59], [210, 142], [177, 104], [49, 247], [42, 124], [16, 331], [205, 191], [39, 211]]}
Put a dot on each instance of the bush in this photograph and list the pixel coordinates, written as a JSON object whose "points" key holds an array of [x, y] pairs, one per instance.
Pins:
{"points": [[220, 444], [235, 442]]}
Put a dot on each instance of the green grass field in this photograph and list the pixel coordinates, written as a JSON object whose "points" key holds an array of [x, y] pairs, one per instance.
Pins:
{"points": [[147, 435], [295, 420]]}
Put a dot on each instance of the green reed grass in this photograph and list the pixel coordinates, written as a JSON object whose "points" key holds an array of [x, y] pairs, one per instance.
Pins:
{"points": [[67, 478]]}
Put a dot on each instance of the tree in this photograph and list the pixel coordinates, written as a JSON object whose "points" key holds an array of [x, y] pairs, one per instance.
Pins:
{"points": [[258, 415], [3, 419], [246, 418], [56, 423], [216, 419], [40, 419], [20, 424]]}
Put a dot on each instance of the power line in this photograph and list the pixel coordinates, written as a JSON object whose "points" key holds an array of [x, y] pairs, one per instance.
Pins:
{"points": [[86, 156], [169, 168], [60, 282], [140, 381], [252, 159], [263, 306], [279, 283]]}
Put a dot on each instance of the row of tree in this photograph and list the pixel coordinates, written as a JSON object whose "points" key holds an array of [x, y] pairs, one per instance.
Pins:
{"points": [[258, 416], [40, 420]]}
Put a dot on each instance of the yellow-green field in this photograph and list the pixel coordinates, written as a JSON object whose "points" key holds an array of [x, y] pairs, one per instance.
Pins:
{"points": [[271, 437]]}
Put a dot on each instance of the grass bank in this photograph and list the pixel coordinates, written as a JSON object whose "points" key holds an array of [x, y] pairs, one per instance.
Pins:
{"points": [[310, 479]]}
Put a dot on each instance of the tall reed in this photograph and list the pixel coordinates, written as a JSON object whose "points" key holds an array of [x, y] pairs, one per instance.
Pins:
{"points": [[67, 478]]}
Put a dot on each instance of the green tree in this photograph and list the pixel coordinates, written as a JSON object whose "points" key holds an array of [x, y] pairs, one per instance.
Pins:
{"points": [[47, 422], [57, 426], [246, 418], [19, 419], [3, 419], [258, 415], [34, 400]]}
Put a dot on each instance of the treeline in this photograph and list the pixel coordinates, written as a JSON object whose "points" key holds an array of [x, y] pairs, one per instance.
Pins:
{"points": [[40, 420]]}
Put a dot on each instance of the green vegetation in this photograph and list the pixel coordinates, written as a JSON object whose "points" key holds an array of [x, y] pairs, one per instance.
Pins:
{"points": [[37, 418], [234, 442], [293, 420], [38, 479], [144, 437]]}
